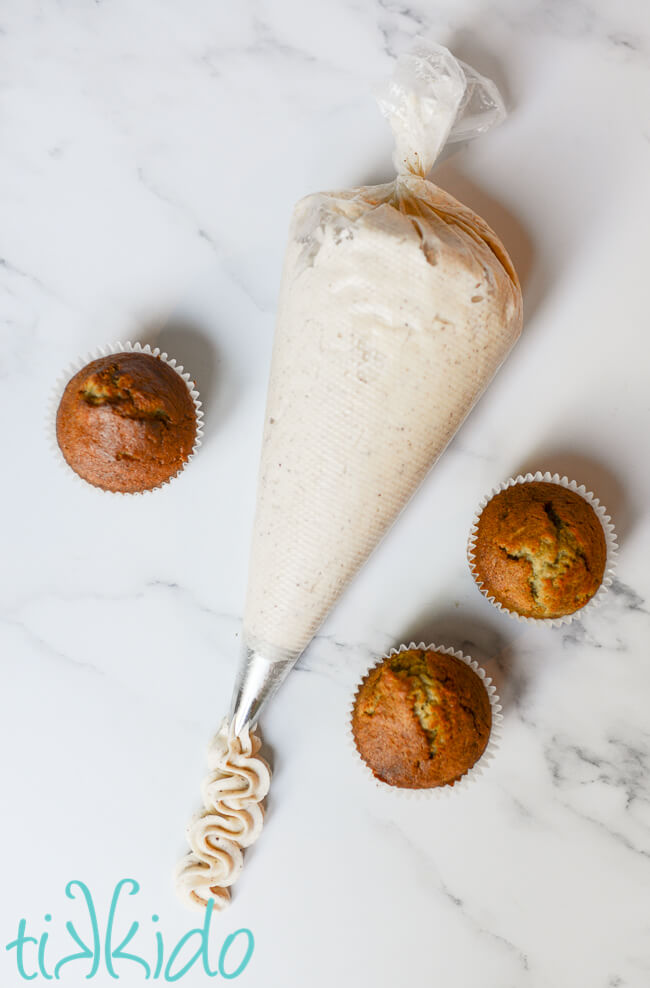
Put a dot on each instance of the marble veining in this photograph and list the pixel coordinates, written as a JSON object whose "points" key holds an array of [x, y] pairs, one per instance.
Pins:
{"points": [[150, 158]]}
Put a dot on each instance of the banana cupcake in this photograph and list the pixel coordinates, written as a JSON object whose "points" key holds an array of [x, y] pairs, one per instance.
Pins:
{"points": [[128, 421], [422, 717], [539, 548]]}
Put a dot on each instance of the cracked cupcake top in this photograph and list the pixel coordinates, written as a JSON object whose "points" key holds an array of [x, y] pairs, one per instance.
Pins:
{"points": [[421, 719], [540, 550], [126, 422]]}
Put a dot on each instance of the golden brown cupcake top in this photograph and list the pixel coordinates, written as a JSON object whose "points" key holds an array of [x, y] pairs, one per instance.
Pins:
{"points": [[126, 422], [540, 550], [421, 719]]}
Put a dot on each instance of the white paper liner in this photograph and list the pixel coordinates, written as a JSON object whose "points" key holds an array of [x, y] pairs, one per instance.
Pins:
{"points": [[105, 351], [473, 773], [608, 530]]}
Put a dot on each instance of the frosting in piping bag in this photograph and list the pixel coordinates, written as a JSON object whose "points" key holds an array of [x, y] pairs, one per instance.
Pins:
{"points": [[397, 306]]}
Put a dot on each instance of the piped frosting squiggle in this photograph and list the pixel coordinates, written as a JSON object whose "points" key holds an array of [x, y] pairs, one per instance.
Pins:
{"points": [[237, 782]]}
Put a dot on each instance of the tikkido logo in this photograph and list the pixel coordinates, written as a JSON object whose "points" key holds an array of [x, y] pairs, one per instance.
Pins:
{"points": [[101, 951]]}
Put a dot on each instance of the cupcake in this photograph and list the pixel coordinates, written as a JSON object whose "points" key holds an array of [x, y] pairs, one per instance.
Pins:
{"points": [[422, 717], [539, 548], [128, 421]]}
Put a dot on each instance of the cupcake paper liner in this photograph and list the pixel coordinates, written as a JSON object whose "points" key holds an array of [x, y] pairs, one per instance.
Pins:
{"points": [[473, 773], [610, 542], [105, 351]]}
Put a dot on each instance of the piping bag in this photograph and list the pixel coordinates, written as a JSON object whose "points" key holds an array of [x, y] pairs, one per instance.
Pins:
{"points": [[315, 465], [397, 306]]}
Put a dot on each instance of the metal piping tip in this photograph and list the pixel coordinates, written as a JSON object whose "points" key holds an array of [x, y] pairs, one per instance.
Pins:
{"points": [[258, 680]]}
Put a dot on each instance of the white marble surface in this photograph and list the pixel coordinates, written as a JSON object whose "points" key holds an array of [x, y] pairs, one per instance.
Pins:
{"points": [[150, 156]]}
